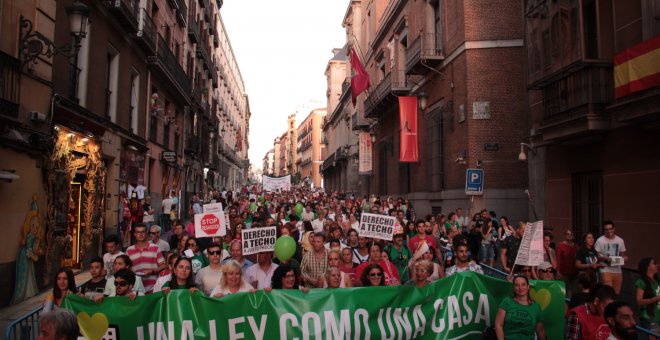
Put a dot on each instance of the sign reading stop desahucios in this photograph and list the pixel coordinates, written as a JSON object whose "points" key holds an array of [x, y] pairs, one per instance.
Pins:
{"points": [[210, 224]]}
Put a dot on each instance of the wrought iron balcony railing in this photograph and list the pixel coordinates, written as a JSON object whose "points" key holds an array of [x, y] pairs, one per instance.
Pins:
{"points": [[424, 53], [147, 33], [127, 12]]}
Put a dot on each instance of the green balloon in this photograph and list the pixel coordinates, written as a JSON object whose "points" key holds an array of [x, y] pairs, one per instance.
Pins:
{"points": [[285, 247], [298, 209]]}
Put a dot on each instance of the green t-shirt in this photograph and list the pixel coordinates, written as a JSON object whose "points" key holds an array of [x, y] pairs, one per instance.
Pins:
{"points": [[449, 224], [520, 321], [643, 310], [198, 262], [400, 260]]}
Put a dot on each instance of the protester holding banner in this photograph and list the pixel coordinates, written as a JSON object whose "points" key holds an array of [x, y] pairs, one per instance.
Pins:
{"points": [[285, 277], [388, 268], [182, 276], [510, 248], [372, 275], [519, 317], [422, 270], [208, 277], [63, 285], [334, 261], [232, 281]]}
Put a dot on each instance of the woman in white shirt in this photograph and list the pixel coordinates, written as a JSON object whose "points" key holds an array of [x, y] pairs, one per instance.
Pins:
{"points": [[232, 281]]}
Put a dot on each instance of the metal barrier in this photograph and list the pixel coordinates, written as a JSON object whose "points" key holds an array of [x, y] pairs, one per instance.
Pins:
{"points": [[25, 327]]}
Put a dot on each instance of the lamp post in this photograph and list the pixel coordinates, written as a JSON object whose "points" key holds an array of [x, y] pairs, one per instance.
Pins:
{"points": [[33, 44]]}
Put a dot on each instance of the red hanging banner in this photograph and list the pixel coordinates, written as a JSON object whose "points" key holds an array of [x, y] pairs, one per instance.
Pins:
{"points": [[408, 151]]}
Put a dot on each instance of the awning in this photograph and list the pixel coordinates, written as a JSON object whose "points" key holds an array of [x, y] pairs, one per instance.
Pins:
{"points": [[8, 175]]}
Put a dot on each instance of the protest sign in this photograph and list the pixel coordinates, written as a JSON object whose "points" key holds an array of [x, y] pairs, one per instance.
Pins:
{"points": [[212, 208], [376, 226], [530, 252], [456, 307], [210, 224], [258, 240], [277, 183]]}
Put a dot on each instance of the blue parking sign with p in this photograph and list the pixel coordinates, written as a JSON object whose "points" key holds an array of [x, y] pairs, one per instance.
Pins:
{"points": [[474, 182]]}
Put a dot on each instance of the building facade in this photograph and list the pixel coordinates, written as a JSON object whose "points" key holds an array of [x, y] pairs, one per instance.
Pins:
{"points": [[340, 167], [309, 148], [134, 107], [462, 63], [592, 150], [268, 166]]}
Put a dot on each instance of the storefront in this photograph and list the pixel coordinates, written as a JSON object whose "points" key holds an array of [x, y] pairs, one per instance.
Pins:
{"points": [[75, 172]]}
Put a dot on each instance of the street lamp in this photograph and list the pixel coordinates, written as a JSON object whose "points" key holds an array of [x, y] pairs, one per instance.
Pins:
{"points": [[33, 44], [522, 156], [422, 100]]}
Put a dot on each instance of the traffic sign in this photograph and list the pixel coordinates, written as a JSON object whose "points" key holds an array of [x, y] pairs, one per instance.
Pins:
{"points": [[474, 182]]}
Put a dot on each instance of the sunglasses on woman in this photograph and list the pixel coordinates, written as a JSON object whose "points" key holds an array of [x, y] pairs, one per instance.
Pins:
{"points": [[375, 274]]}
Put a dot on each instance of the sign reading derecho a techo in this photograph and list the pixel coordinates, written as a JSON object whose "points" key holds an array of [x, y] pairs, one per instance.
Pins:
{"points": [[376, 226], [258, 240]]}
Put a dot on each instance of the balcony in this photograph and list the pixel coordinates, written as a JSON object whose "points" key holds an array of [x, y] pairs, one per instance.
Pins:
{"points": [[359, 123], [146, 34], [10, 89], [424, 53], [169, 69], [202, 53], [574, 103], [400, 85], [379, 97], [193, 27], [181, 11], [206, 10], [126, 12]]}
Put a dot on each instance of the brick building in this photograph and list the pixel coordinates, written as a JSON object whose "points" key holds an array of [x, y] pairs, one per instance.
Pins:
{"points": [[462, 60], [593, 156]]}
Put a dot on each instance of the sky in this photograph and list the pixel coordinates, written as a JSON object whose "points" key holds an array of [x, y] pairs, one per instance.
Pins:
{"points": [[282, 49]]}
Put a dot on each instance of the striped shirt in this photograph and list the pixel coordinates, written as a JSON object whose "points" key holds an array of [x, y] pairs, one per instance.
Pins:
{"points": [[146, 259]]}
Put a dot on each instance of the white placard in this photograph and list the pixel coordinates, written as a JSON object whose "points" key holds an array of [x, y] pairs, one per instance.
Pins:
{"points": [[258, 240], [530, 252], [210, 224], [377, 226], [212, 208], [275, 183]]}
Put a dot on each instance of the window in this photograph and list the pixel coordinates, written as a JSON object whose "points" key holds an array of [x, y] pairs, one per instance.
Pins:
{"points": [[434, 148], [587, 202], [135, 95], [111, 79]]}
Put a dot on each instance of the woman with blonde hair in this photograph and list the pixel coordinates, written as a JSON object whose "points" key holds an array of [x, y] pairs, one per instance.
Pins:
{"points": [[422, 269], [232, 281]]}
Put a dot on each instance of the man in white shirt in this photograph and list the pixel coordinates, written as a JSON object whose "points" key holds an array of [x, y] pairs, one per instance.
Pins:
{"points": [[112, 246], [318, 223], [463, 221], [260, 274], [607, 246], [209, 277], [308, 214]]}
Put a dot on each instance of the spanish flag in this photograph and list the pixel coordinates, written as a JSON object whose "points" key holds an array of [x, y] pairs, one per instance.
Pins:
{"points": [[637, 68]]}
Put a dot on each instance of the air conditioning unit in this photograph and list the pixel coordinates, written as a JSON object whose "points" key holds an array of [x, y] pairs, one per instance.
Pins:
{"points": [[37, 117]]}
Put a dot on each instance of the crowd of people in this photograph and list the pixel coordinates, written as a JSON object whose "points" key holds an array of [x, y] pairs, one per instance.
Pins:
{"points": [[330, 253]]}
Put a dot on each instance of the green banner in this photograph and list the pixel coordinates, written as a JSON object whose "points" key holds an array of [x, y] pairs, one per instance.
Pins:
{"points": [[457, 307]]}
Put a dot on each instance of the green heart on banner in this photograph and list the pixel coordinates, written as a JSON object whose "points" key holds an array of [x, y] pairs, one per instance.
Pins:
{"points": [[93, 327], [542, 297]]}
